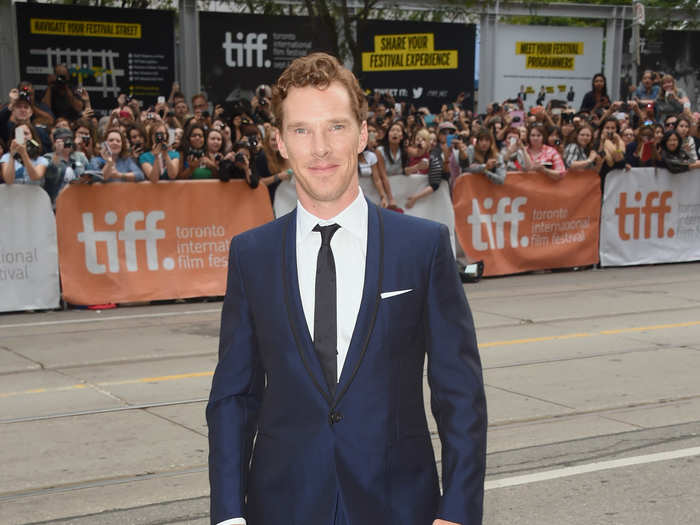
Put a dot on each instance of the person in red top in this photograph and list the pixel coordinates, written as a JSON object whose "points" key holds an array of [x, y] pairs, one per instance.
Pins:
{"points": [[543, 158]]}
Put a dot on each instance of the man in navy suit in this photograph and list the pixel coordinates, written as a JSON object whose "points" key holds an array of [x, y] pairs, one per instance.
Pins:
{"points": [[316, 413]]}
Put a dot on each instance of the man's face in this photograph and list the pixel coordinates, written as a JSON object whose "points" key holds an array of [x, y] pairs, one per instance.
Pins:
{"points": [[181, 108], [322, 139], [21, 111], [200, 103]]}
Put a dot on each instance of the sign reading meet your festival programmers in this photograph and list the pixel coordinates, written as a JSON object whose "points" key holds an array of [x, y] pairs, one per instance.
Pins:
{"points": [[546, 63], [107, 51], [424, 63]]}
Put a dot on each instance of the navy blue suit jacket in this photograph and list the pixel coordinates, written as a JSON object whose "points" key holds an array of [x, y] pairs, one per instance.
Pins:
{"points": [[369, 445]]}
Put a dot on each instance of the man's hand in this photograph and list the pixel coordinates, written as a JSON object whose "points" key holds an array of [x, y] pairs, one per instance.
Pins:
{"points": [[443, 522]]}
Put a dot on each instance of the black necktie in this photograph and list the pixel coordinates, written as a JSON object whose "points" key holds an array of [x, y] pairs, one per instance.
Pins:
{"points": [[325, 310]]}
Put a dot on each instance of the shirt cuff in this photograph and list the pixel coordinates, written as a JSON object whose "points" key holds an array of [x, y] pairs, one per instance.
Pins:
{"points": [[233, 521]]}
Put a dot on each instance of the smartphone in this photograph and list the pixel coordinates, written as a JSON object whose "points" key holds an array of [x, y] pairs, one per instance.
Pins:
{"points": [[556, 111], [171, 136], [19, 135], [450, 138], [105, 149], [161, 100]]}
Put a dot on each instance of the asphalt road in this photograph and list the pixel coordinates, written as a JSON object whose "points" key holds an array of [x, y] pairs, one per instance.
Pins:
{"points": [[593, 389]]}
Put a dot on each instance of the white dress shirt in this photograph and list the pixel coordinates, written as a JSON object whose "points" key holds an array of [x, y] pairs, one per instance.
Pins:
{"points": [[349, 245]]}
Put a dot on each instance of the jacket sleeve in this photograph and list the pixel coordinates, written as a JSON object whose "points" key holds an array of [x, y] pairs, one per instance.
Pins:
{"points": [[234, 399], [457, 400]]}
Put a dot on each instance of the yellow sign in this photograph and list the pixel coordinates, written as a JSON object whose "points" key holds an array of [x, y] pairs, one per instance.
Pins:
{"points": [[549, 55], [45, 26], [408, 52]]}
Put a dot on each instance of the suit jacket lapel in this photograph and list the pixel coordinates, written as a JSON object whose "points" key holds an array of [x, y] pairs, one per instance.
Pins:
{"points": [[295, 310], [370, 300]]}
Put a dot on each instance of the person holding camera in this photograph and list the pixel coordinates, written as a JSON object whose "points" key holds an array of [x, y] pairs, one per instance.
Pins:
{"points": [[60, 97], [136, 133], [115, 162], [544, 158], [65, 163], [513, 153], [671, 100], [161, 162], [238, 164], [483, 157], [85, 138], [23, 164], [203, 153]]}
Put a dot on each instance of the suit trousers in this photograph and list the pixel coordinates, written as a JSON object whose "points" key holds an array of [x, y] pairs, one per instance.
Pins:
{"points": [[339, 513]]}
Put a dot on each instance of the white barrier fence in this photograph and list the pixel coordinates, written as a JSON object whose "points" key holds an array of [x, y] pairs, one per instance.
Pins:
{"points": [[28, 250], [650, 216]]}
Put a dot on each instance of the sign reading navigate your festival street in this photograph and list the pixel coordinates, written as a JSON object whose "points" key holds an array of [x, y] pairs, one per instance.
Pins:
{"points": [[107, 51], [424, 63], [240, 52]]}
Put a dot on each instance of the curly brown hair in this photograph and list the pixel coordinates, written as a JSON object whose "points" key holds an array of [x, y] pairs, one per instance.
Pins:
{"points": [[318, 70]]}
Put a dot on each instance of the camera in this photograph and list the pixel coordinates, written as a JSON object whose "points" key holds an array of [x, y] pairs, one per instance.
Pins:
{"points": [[61, 80], [160, 137], [68, 143], [240, 157], [610, 135], [567, 117], [25, 94], [557, 142], [496, 108], [195, 153], [218, 157], [253, 141], [33, 150]]}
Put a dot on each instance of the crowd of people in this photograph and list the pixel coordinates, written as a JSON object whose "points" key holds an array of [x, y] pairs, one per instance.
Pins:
{"points": [[58, 139]]}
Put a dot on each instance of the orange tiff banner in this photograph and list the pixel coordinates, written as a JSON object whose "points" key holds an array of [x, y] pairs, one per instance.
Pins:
{"points": [[529, 223], [125, 242]]}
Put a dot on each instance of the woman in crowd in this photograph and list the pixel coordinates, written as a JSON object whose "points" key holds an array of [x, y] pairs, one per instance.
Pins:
{"points": [[556, 139], [192, 151], [207, 166], [514, 153], [270, 167], [367, 167], [225, 130], [658, 133], [498, 131], [114, 161], [611, 147], [136, 133], [643, 152], [673, 157], [672, 100], [683, 127], [544, 158], [30, 167], [627, 136], [579, 153], [435, 175], [483, 158], [597, 98], [85, 138], [418, 154], [161, 162]]}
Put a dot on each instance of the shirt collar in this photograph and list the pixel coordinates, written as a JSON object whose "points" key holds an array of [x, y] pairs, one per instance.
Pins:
{"points": [[353, 218]]}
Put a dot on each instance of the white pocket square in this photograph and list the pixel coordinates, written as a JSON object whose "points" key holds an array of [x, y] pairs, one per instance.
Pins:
{"points": [[385, 295]]}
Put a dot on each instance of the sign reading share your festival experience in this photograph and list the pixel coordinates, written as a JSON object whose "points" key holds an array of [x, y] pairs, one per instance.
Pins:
{"points": [[424, 63], [137, 242]]}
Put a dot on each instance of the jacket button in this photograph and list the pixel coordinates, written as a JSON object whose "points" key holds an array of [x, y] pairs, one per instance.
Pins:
{"points": [[334, 417]]}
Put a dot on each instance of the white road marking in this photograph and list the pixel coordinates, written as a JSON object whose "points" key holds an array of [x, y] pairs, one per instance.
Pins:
{"points": [[111, 318], [590, 467]]}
